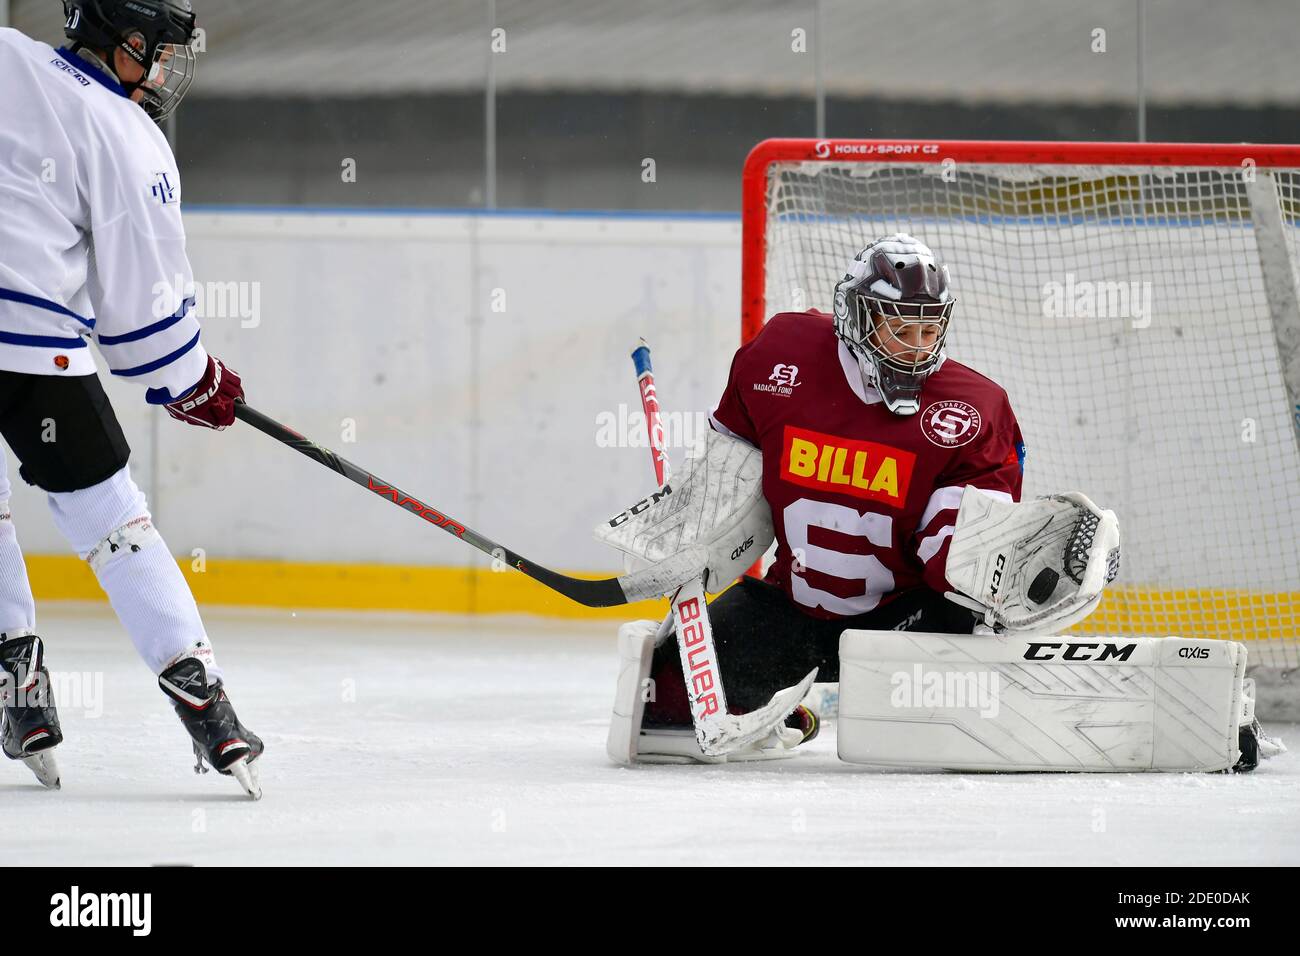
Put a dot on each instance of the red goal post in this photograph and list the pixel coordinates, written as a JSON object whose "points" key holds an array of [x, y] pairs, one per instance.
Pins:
{"points": [[1182, 415]]}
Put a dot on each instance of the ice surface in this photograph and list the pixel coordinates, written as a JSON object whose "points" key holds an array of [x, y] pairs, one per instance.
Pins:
{"points": [[423, 740]]}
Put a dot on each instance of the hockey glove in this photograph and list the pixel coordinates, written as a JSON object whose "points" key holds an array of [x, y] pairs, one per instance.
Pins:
{"points": [[211, 403]]}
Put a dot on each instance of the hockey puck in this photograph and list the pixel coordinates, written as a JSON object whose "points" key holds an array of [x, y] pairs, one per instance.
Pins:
{"points": [[1043, 586]]}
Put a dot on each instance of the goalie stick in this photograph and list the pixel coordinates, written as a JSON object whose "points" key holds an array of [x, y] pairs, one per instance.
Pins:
{"points": [[688, 614], [607, 592], [716, 731]]}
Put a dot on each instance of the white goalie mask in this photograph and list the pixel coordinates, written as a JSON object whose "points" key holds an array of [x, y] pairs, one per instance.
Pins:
{"points": [[892, 310]]}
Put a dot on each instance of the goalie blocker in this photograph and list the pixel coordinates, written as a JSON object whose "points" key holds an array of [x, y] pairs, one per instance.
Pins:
{"points": [[1073, 703], [703, 532]]}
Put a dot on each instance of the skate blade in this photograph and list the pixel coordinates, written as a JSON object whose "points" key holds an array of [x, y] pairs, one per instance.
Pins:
{"points": [[246, 774], [47, 771]]}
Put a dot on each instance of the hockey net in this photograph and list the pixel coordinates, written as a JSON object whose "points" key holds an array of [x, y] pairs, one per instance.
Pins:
{"points": [[1139, 304]]}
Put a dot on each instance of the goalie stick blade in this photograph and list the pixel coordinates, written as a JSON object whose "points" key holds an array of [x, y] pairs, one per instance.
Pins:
{"points": [[718, 736]]}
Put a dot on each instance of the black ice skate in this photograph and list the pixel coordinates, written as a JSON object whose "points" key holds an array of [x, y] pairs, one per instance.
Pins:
{"points": [[30, 721], [219, 738]]}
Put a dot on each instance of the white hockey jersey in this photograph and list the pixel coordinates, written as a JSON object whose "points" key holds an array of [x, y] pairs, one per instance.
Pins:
{"points": [[91, 241]]}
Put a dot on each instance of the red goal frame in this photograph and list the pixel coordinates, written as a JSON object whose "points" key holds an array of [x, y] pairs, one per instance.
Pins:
{"points": [[754, 179]]}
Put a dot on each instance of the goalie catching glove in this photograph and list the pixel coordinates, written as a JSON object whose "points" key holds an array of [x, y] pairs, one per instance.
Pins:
{"points": [[713, 522], [1035, 566]]}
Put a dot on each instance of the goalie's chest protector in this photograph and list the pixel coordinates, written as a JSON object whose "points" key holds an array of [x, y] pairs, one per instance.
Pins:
{"points": [[851, 484]]}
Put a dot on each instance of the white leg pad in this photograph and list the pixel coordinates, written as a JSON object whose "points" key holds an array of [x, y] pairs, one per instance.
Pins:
{"points": [[627, 743], [636, 643], [1076, 703]]}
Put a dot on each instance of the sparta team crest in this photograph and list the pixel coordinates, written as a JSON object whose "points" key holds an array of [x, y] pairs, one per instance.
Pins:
{"points": [[950, 424]]}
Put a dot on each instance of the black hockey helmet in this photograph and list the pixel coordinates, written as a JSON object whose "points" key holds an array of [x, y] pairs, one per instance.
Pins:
{"points": [[165, 27], [893, 284]]}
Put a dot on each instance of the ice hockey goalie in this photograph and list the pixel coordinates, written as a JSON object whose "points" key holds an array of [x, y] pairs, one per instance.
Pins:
{"points": [[873, 442]]}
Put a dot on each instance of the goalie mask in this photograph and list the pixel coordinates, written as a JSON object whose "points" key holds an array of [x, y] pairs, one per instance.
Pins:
{"points": [[162, 30], [892, 310]]}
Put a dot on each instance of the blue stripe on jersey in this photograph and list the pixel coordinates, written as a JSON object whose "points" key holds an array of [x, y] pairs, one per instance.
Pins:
{"points": [[90, 70], [49, 305], [149, 330], [41, 341], [160, 396], [158, 363]]}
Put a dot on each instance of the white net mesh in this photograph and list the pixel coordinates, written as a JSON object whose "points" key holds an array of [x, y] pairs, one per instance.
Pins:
{"points": [[1124, 310]]}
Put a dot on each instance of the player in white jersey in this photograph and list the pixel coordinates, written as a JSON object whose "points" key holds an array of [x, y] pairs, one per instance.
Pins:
{"points": [[92, 250]]}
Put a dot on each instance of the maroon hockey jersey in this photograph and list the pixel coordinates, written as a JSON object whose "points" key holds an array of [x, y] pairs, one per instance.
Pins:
{"points": [[864, 501]]}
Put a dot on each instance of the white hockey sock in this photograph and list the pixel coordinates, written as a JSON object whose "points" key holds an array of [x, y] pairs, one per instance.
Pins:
{"points": [[17, 609], [154, 604], [109, 525]]}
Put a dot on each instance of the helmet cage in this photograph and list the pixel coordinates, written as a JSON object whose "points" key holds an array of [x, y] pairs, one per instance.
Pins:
{"points": [[877, 317], [167, 78]]}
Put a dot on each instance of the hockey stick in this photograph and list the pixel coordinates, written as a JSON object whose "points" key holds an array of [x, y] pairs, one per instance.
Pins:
{"points": [[688, 614], [645, 380], [607, 592], [716, 731]]}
